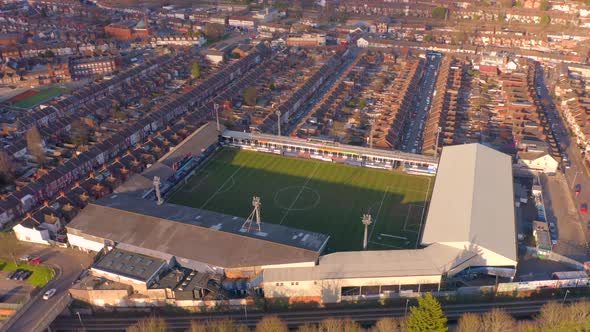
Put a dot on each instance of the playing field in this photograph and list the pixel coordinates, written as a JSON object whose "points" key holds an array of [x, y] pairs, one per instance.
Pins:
{"points": [[40, 97], [313, 195]]}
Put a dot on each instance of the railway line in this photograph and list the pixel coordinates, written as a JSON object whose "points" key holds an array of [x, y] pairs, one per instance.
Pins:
{"points": [[365, 316]]}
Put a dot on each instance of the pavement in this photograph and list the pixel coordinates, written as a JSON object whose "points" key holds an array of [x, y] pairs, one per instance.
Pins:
{"points": [[573, 220], [68, 263]]}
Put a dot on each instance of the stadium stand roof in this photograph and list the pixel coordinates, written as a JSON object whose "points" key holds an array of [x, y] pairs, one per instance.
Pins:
{"points": [[431, 261], [194, 144], [195, 234], [472, 200], [470, 223], [317, 143]]}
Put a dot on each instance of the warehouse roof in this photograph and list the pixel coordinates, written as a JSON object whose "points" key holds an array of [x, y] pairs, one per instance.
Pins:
{"points": [[472, 200], [200, 235], [130, 265]]}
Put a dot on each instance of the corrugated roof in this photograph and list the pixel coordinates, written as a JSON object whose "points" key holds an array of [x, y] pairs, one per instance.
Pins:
{"points": [[472, 200], [189, 233]]}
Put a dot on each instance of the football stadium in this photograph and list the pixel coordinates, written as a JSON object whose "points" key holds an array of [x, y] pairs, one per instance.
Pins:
{"points": [[318, 196], [292, 216]]}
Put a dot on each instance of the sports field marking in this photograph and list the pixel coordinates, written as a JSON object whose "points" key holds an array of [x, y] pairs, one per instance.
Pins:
{"points": [[221, 187], [407, 216], [277, 201], [299, 193], [202, 177], [385, 245], [394, 236], [379, 211], [423, 210]]}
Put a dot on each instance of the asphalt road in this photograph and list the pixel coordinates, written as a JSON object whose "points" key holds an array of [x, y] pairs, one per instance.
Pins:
{"points": [[576, 174], [412, 140], [523, 308], [69, 263]]}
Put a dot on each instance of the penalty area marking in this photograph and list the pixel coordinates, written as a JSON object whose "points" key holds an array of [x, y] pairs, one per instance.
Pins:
{"points": [[394, 236], [386, 245]]}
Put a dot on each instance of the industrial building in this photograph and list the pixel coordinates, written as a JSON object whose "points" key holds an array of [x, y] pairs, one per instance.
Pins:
{"points": [[470, 224]]}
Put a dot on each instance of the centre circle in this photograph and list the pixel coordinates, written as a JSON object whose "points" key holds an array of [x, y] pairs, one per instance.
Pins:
{"points": [[297, 198]]}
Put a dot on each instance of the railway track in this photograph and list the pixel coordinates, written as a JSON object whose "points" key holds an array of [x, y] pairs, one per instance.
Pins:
{"points": [[364, 316]]}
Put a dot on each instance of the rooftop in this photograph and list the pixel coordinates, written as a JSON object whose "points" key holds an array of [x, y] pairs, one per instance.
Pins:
{"points": [[130, 265], [472, 200], [168, 228]]}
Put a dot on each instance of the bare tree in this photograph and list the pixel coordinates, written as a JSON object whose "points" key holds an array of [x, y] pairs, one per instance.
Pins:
{"points": [[6, 167], [579, 311], [271, 324], [197, 327], [35, 145], [469, 322], [387, 325], [80, 133], [551, 316], [151, 324], [497, 320], [308, 328]]}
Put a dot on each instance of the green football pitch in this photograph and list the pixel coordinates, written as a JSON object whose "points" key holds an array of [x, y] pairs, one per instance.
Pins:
{"points": [[313, 195]]}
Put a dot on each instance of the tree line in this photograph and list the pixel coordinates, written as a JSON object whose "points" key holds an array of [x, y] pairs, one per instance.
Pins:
{"points": [[426, 316]]}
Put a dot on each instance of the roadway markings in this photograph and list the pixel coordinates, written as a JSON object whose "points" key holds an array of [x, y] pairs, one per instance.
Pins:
{"points": [[299, 193]]}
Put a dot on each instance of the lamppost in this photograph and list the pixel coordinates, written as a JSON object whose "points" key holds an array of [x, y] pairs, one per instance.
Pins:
{"points": [[216, 107], [575, 176], [80, 318], [406, 311], [278, 113], [366, 221]]}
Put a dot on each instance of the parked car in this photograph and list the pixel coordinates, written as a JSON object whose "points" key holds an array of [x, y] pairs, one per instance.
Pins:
{"points": [[25, 258], [17, 274], [36, 261], [584, 208], [578, 189], [26, 275], [49, 294], [12, 274]]}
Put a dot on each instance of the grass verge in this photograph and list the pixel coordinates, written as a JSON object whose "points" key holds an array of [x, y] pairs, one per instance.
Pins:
{"points": [[41, 274]]}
